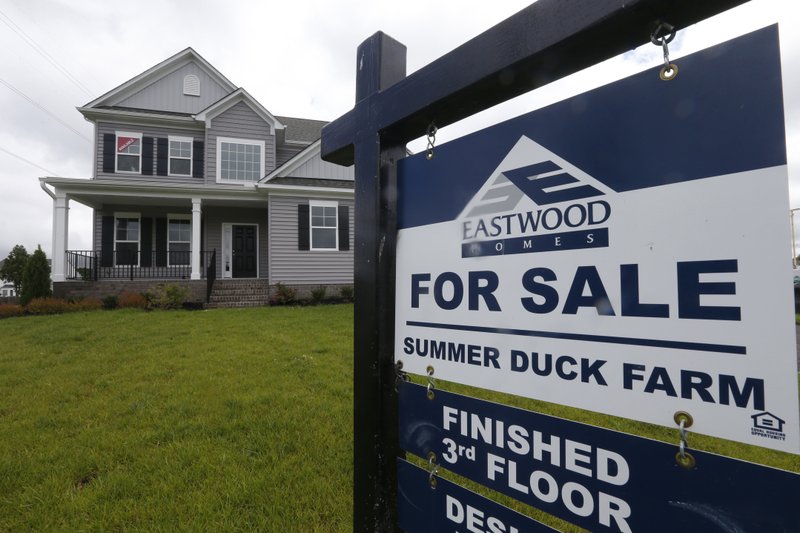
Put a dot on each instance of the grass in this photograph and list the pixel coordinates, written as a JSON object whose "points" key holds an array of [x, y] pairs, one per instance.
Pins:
{"points": [[223, 420], [220, 420]]}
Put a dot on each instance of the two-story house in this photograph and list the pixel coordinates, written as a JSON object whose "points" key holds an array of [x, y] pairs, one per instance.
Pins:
{"points": [[195, 180]]}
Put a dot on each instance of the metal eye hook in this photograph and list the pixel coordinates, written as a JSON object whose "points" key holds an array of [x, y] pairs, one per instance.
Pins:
{"points": [[431, 133], [662, 36], [431, 383]]}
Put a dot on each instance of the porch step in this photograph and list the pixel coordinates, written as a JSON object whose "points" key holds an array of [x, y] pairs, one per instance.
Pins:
{"points": [[230, 293]]}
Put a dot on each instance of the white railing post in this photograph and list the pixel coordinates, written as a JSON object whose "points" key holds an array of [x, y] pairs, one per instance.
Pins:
{"points": [[195, 245]]}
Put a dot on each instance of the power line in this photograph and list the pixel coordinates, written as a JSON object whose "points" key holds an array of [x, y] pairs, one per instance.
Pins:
{"points": [[12, 154], [5, 19], [45, 110]]}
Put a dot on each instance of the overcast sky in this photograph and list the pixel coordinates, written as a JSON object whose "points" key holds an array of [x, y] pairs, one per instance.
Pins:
{"points": [[297, 58]]}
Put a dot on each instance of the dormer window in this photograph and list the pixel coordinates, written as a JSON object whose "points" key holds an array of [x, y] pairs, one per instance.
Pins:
{"points": [[191, 85], [239, 160]]}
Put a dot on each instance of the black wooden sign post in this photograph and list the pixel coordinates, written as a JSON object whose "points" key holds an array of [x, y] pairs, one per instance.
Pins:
{"points": [[542, 43]]}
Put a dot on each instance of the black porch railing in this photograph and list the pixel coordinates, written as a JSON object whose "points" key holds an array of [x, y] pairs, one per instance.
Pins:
{"points": [[93, 265]]}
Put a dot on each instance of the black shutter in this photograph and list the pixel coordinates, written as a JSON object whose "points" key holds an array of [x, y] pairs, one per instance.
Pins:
{"points": [[344, 228], [146, 259], [109, 153], [107, 241], [198, 155], [162, 156], [303, 237], [161, 242], [147, 156]]}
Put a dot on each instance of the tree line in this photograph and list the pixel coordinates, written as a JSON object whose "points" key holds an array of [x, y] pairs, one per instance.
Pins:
{"points": [[29, 273]]}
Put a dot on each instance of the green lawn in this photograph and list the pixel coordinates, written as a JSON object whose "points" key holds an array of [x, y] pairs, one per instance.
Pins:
{"points": [[218, 420], [202, 421]]}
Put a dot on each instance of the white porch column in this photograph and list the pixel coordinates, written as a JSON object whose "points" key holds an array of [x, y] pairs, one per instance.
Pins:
{"points": [[195, 245], [60, 235]]}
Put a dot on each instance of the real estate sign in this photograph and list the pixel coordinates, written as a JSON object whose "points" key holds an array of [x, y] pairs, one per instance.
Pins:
{"points": [[624, 251]]}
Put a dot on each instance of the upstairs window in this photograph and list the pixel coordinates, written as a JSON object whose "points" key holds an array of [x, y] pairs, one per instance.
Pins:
{"points": [[129, 152], [324, 229], [180, 156], [239, 160]]}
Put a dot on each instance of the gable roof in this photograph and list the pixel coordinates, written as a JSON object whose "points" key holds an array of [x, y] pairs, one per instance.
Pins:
{"points": [[157, 72], [239, 95]]}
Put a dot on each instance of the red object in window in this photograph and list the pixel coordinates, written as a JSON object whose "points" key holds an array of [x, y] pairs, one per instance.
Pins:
{"points": [[124, 142]]}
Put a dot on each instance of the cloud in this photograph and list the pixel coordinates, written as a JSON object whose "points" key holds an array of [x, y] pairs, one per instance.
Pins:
{"points": [[297, 58]]}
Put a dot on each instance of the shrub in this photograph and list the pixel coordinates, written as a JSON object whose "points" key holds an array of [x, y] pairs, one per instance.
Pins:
{"points": [[86, 274], [318, 294], [283, 295], [346, 292], [167, 296], [35, 278], [47, 306], [87, 304], [9, 310], [132, 300], [110, 302]]}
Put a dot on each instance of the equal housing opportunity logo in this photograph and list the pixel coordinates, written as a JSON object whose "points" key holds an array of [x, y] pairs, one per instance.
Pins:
{"points": [[544, 204], [768, 426]]}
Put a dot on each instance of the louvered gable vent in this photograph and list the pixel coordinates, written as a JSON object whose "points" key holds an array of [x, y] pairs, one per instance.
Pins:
{"points": [[191, 85]]}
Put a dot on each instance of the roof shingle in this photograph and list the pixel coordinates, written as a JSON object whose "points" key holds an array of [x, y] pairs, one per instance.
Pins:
{"points": [[302, 130]]}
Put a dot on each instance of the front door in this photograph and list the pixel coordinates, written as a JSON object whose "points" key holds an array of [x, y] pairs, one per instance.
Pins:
{"points": [[245, 252]]}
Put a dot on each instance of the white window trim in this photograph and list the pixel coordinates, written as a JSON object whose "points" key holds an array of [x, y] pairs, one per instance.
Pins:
{"points": [[190, 140], [234, 140], [117, 154], [171, 217], [137, 216], [322, 203]]}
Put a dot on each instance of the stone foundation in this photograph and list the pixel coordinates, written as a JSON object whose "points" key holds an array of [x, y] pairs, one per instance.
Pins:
{"points": [[197, 289], [103, 288]]}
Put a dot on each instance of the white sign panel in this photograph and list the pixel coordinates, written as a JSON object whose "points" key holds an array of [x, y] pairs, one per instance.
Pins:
{"points": [[609, 266]]}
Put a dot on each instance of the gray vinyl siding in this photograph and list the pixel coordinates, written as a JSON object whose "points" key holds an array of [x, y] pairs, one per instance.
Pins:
{"points": [[146, 131], [286, 152], [239, 122], [167, 93], [317, 168], [292, 266], [214, 217]]}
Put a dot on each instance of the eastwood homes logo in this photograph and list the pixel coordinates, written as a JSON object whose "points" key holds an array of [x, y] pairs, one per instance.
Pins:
{"points": [[537, 203]]}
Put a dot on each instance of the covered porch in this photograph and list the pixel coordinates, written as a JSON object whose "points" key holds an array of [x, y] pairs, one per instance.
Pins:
{"points": [[155, 231]]}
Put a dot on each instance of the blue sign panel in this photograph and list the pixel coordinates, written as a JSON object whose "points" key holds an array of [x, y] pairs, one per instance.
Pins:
{"points": [[449, 507], [596, 478]]}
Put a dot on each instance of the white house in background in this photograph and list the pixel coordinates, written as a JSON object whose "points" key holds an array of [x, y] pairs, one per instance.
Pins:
{"points": [[7, 290], [194, 180]]}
